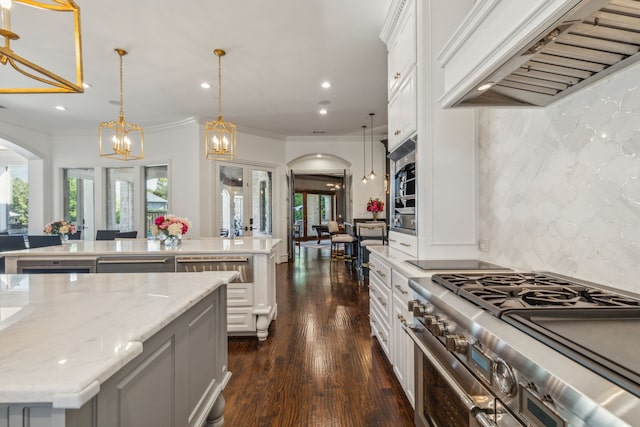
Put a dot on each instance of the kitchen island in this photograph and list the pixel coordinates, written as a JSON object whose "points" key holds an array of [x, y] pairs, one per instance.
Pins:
{"points": [[113, 349], [251, 298]]}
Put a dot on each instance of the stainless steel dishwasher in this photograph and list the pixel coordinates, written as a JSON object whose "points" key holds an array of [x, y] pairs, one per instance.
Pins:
{"points": [[47, 265], [136, 264], [243, 264]]}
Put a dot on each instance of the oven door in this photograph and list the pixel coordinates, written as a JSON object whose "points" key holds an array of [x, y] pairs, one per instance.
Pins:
{"points": [[447, 394]]}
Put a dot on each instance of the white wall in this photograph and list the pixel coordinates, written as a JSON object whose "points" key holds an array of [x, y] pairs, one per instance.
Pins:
{"points": [[560, 186], [349, 149]]}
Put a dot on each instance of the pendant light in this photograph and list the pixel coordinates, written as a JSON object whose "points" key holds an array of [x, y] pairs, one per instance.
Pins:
{"points": [[364, 154], [372, 174], [118, 139], [220, 142], [35, 78]]}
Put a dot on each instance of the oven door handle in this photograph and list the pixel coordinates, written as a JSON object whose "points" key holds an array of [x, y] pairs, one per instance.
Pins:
{"points": [[203, 260], [477, 412]]}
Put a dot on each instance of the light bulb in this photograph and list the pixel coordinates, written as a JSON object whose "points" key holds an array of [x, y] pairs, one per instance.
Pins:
{"points": [[372, 175], [364, 179]]}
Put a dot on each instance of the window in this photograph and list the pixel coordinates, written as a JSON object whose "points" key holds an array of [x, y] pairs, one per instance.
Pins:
{"points": [[156, 183], [14, 199], [120, 215]]}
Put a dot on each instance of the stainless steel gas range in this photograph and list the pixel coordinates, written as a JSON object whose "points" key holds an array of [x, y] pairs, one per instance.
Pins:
{"points": [[520, 349]]}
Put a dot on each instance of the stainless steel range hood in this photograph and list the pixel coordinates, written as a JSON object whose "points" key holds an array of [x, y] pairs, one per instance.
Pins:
{"points": [[592, 40]]}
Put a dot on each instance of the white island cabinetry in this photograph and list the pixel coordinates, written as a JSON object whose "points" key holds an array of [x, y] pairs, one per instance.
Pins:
{"points": [[109, 350], [252, 301]]}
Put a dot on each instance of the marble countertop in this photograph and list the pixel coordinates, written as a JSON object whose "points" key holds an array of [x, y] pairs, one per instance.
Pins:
{"points": [[62, 335], [210, 246]]}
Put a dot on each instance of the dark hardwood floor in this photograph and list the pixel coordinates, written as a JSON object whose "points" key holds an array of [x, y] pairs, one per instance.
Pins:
{"points": [[320, 366]]}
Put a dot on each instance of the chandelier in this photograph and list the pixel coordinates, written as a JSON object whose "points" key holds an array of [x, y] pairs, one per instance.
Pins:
{"points": [[118, 139], [220, 136], [49, 81]]}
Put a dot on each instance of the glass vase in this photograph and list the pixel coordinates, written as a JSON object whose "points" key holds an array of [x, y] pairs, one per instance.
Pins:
{"points": [[170, 242]]}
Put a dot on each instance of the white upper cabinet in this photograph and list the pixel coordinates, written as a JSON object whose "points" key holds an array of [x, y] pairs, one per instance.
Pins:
{"points": [[401, 44], [403, 112], [531, 53], [399, 33]]}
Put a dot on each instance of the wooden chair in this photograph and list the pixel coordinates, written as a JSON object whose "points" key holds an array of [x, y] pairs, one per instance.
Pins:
{"points": [[36, 241], [106, 234]]}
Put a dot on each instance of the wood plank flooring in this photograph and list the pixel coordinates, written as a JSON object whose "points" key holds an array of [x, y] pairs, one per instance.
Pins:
{"points": [[319, 366]]}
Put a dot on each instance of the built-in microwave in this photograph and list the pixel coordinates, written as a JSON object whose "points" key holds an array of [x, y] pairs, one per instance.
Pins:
{"points": [[403, 187]]}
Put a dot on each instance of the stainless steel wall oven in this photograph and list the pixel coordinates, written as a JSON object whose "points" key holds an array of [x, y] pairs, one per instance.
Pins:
{"points": [[404, 188]]}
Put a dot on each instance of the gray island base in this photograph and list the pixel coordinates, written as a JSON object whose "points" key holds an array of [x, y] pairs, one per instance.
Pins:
{"points": [[101, 350]]}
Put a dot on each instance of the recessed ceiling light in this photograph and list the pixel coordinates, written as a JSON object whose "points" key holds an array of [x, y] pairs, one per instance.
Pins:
{"points": [[323, 111], [61, 107], [86, 85], [205, 85], [326, 85], [319, 156]]}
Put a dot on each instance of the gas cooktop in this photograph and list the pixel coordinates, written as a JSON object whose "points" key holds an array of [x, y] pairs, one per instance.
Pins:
{"points": [[501, 292], [455, 264]]}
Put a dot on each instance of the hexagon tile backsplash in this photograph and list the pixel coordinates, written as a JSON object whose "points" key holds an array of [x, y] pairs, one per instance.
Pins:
{"points": [[560, 186]]}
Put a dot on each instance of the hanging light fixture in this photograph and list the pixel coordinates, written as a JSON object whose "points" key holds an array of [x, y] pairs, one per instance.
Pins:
{"points": [[220, 136], [364, 154], [50, 81], [118, 139], [372, 174]]}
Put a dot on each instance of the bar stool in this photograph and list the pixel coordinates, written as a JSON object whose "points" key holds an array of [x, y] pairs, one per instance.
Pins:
{"points": [[369, 234], [347, 241]]}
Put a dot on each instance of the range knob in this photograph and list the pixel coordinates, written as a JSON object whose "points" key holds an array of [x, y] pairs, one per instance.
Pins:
{"points": [[430, 319], [503, 377], [422, 310], [457, 343], [441, 328]]}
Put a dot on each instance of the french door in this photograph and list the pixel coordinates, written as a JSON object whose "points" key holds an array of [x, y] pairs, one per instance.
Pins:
{"points": [[245, 195], [78, 195]]}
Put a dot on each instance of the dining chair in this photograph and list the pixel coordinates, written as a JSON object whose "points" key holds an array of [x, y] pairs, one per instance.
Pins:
{"points": [[106, 234], [10, 243], [126, 234], [76, 235], [42, 241]]}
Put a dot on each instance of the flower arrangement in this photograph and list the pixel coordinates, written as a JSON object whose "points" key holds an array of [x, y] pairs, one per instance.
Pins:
{"points": [[375, 205], [170, 225], [61, 227]]}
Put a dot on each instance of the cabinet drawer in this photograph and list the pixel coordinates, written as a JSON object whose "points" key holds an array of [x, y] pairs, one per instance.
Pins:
{"points": [[400, 287], [380, 329], [404, 242], [240, 319], [379, 269], [239, 294], [380, 295]]}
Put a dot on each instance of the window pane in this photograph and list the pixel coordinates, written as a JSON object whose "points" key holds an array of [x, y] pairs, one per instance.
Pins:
{"points": [[120, 199], [156, 194], [261, 208], [14, 199], [231, 201], [78, 200]]}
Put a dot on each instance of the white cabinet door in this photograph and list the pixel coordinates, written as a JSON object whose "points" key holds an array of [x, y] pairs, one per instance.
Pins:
{"points": [[402, 111], [402, 47]]}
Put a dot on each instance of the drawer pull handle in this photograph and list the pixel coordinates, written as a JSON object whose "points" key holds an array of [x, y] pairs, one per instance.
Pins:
{"points": [[381, 273], [392, 240], [405, 244], [403, 292], [382, 301]]}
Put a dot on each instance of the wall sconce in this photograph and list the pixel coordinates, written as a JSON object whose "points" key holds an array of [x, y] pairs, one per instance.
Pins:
{"points": [[386, 184], [51, 82]]}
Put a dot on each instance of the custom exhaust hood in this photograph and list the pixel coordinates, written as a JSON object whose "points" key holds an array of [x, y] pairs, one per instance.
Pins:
{"points": [[511, 53]]}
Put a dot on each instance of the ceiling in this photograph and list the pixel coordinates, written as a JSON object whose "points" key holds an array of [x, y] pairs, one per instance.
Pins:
{"points": [[278, 53]]}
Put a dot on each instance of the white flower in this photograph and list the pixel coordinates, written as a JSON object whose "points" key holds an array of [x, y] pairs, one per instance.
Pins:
{"points": [[175, 229]]}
